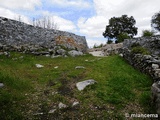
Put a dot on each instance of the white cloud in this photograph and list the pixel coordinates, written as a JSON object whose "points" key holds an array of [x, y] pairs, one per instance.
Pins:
{"points": [[92, 41], [12, 15], [92, 27], [64, 24], [73, 3], [20, 4], [141, 10]]}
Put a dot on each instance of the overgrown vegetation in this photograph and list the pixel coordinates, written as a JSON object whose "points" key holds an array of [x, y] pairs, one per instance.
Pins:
{"points": [[136, 48], [121, 37], [147, 33], [30, 92]]}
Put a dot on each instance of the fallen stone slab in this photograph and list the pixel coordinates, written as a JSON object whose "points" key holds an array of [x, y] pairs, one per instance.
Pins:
{"points": [[81, 85], [39, 66]]}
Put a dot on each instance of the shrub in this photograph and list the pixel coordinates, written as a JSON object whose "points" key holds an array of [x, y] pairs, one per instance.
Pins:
{"points": [[141, 50], [121, 37], [146, 33]]}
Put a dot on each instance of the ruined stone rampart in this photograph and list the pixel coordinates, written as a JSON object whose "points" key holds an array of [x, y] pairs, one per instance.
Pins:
{"points": [[15, 35]]}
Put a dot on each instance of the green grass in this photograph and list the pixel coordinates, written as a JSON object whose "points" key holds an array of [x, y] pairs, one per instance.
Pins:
{"points": [[28, 90]]}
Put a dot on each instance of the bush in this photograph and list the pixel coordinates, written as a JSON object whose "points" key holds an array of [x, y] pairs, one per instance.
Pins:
{"points": [[141, 50], [121, 37], [146, 33]]}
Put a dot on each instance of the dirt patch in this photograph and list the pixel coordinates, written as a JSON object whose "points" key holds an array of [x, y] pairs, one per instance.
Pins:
{"points": [[65, 90]]}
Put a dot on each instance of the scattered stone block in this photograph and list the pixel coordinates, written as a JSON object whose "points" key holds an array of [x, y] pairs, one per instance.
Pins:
{"points": [[74, 53], [39, 66], [55, 67], [75, 104], [81, 85], [61, 105], [121, 55]]}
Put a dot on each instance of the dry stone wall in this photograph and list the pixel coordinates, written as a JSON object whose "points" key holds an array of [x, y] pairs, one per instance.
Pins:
{"points": [[151, 43], [19, 36], [149, 64]]}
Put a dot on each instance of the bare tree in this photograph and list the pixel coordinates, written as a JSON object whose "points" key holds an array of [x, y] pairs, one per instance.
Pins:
{"points": [[45, 22]]}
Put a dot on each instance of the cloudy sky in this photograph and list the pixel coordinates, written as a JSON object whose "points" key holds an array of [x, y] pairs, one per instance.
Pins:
{"points": [[83, 17]]}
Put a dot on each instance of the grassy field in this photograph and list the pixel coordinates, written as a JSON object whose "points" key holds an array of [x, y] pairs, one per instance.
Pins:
{"points": [[31, 92]]}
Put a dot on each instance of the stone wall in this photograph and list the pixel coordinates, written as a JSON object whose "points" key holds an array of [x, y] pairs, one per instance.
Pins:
{"points": [[19, 36], [149, 64], [151, 43]]}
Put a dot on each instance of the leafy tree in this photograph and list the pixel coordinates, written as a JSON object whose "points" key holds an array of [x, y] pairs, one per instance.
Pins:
{"points": [[155, 22], [146, 33], [119, 26]]}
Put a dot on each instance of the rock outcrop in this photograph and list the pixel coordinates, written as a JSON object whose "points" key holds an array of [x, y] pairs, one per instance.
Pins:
{"points": [[18, 36]]}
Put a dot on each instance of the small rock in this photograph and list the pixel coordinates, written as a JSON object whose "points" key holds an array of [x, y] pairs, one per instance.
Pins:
{"points": [[7, 54], [81, 85], [39, 66], [47, 55], [52, 111], [61, 105], [79, 67], [155, 66], [75, 104], [1, 85], [86, 60], [56, 67], [121, 55], [74, 53], [61, 52]]}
